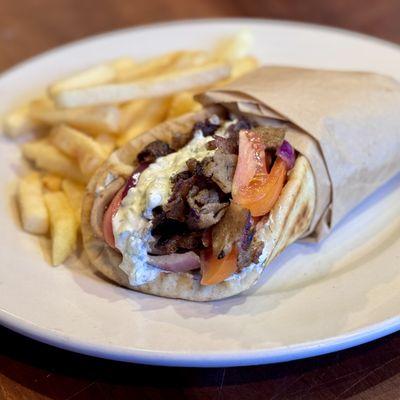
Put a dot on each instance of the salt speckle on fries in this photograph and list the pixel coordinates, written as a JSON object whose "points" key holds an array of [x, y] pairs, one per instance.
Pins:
{"points": [[80, 119]]}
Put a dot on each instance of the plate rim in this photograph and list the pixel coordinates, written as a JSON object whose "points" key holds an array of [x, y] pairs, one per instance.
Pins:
{"points": [[151, 25], [197, 358]]}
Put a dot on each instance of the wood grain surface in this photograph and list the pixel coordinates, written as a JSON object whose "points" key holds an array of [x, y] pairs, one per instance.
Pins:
{"points": [[31, 370]]}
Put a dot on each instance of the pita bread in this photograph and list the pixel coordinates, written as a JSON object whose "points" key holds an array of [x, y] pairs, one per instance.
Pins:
{"points": [[288, 220]]}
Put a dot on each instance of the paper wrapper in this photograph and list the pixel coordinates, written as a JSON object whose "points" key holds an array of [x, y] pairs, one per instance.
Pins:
{"points": [[346, 123]]}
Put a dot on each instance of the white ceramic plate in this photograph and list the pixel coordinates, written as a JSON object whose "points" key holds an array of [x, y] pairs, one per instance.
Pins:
{"points": [[313, 299]]}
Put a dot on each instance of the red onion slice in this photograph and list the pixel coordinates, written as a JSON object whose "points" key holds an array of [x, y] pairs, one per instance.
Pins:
{"points": [[177, 262], [286, 152]]}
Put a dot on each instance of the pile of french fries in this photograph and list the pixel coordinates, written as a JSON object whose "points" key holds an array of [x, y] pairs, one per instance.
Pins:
{"points": [[81, 119]]}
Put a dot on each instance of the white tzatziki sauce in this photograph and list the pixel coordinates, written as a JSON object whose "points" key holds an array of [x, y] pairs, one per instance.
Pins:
{"points": [[131, 223]]}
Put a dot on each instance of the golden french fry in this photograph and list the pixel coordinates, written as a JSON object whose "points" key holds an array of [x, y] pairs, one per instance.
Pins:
{"points": [[32, 208], [76, 144], [131, 111], [233, 48], [74, 192], [189, 59], [48, 158], [152, 115], [93, 120], [240, 67], [243, 65], [107, 142], [122, 66], [97, 75], [41, 103], [160, 65], [63, 226], [19, 122], [51, 182], [182, 103], [148, 68], [164, 85]]}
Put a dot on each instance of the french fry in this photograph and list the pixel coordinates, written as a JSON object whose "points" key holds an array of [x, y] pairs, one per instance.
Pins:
{"points": [[95, 120], [63, 226], [76, 144], [148, 68], [41, 103], [164, 85], [160, 65], [189, 59], [152, 115], [131, 111], [107, 143], [243, 65], [74, 192], [240, 67], [122, 66], [182, 103], [233, 48], [20, 122], [51, 182], [97, 75], [32, 208], [48, 158]]}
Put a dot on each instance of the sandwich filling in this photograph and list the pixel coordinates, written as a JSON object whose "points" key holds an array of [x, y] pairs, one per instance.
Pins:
{"points": [[195, 209], [132, 222]]}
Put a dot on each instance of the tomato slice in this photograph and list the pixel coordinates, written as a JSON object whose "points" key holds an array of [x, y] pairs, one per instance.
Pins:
{"points": [[253, 187], [251, 160], [262, 193], [216, 270]]}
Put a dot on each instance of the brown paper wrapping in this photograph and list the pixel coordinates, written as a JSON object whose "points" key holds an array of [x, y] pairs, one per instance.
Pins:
{"points": [[346, 123]]}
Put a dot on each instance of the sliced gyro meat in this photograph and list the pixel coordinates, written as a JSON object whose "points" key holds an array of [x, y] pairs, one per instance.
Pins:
{"points": [[153, 150], [178, 242], [239, 124], [206, 208], [223, 144], [234, 228], [271, 136], [208, 127], [233, 130], [220, 169], [250, 255]]}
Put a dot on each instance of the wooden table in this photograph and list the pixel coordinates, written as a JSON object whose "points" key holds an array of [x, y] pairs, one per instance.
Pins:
{"points": [[30, 370]]}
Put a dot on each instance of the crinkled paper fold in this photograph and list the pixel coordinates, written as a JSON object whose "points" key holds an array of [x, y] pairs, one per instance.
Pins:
{"points": [[346, 123]]}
